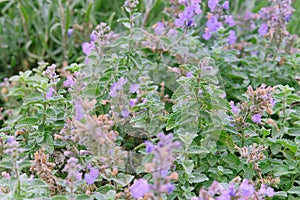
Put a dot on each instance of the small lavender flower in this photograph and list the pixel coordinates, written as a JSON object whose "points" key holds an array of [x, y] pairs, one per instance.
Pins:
{"points": [[117, 86], [225, 5], [139, 188], [212, 4], [256, 118], [232, 37], [263, 29], [50, 92], [207, 34], [189, 75], [230, 21], [87, 47], [93, 36], [70, 32], [79, 113], [160, 27], [132, 102], [246, 188], [192, 8], [69, 82], [149, 146], [125, 112], [72, 168], [266, 191], [234, 108], [213, 24], [133, 88], [91, 176]]}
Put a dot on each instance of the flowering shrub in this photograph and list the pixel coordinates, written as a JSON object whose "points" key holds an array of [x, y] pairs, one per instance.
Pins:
{"points": [[198, 107]]}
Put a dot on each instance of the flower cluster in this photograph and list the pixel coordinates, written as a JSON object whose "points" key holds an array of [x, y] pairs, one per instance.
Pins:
{"points": [[43, 169], [97, 135], [159, 168], [102, 34], [51, 74], [236, 190], [185, 18], [259, 101], [91, 176], [275, 18], [216, 19]]}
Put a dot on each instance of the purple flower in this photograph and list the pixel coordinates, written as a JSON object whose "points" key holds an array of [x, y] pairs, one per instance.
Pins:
{"points": [[256, 118], [87, 47], [132, 102], [160, 27], [69, 82], [230, 21], [189, 75], [70, 32], [232, 37], [213, 24], [179, 22], [139, 188], [73, 168], [168, 188], [133, 88], [266, 191], [212, 4], [79, 114], [246, 188], [234, 108], [225, 5], [10, 139], [91, 176], [93, 36], [207, 35], [125, 112], [263, 29], [49, 94], [117, 86], [149, 146]]}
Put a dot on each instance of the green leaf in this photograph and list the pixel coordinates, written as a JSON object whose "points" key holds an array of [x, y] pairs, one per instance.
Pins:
{"points": [[188, 166], [6, 164], [198, 178], [187, 138], [83, 197], [123, 179], [29, 121], [275, 148], [288, 144], [294, 190], [59, 197], [197, 150]]}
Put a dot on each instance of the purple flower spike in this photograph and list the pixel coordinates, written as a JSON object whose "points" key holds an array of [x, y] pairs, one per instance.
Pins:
{"points": [[256, 118], [69, 82], [139, 188]]}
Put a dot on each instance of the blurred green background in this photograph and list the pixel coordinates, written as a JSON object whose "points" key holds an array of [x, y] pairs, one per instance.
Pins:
{"points": [[36, 30]]}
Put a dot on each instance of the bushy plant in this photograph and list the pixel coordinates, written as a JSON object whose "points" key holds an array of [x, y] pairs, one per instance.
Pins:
{"points": [[200, 106]]}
